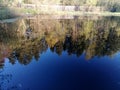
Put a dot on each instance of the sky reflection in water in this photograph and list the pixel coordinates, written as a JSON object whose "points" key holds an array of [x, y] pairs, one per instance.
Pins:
{"points": [[66, 72]]}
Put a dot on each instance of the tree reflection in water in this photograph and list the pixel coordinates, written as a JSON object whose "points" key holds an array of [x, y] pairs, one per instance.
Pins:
{"points": [[98, 37]]}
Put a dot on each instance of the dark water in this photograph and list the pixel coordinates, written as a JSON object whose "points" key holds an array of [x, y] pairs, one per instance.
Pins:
{"points": [[64, 54]]}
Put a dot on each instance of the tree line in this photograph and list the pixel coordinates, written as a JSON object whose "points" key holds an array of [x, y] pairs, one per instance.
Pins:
{"points": [[109, 5]]}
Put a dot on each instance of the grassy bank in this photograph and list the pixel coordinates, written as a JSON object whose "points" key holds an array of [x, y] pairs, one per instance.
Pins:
{"points": [[7, 13], [77, 13], [84, 13]]}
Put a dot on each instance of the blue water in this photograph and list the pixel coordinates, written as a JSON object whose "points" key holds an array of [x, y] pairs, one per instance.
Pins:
{"points": [[64, 72]]}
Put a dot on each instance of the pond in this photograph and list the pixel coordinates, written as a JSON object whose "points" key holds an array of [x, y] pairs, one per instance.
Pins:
{"points": [[80, 53]]}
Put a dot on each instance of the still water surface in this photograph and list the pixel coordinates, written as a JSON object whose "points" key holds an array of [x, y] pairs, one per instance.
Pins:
{"points": [[60, 54]]}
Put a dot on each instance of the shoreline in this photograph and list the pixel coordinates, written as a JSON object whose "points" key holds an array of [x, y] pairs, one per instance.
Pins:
{"points": [[60, 14]]}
